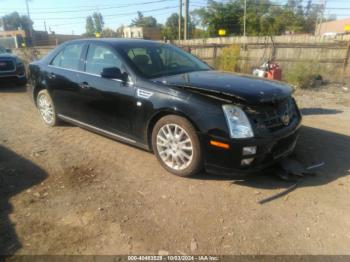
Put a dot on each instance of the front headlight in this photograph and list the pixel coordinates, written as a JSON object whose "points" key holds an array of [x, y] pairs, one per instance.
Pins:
{"points": [[237, 122]]}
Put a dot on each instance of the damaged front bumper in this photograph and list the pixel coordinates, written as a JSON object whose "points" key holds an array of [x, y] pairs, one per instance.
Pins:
{"points": [[269, 150]]}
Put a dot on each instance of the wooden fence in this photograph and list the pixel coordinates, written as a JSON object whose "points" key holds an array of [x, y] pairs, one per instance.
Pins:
{"points": [[331, 54]]}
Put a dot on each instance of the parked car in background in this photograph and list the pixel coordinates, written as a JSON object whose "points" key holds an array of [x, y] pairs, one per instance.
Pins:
{"points": [[160, 98], [12, 69]]}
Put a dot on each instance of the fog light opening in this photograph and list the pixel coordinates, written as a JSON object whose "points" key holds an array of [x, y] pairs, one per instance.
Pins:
{"points": [[249, 150], [247, 161]]}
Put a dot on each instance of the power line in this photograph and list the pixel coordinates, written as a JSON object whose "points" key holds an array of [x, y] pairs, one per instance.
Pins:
{"points": [[109, 20], [80, 7], [101, 8], [110, 15]]}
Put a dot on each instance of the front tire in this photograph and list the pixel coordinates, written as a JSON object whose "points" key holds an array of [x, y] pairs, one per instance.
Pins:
{"points": [[46, 108], [177, 146]]}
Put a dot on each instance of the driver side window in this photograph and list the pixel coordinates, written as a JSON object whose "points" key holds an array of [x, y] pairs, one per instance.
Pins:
{"points": [[100, 57]]}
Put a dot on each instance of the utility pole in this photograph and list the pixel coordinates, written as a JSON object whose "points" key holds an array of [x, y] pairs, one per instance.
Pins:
{"points": [[244, 18], [180, 18], [186, 20], [324, 2], [319, 19], [244, 26], [45, 26], [30, 26], [27, 5]]}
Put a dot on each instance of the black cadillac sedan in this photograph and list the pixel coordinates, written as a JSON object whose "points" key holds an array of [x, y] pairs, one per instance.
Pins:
{"points": [[12, 69], [157, 97]]}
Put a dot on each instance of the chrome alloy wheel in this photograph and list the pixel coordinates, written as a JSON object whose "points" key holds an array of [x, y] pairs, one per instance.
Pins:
{"points": [[174, 146], [46, 109]]}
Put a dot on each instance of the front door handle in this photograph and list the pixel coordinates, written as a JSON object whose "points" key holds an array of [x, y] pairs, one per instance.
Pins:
{"points": [[84, 85]]}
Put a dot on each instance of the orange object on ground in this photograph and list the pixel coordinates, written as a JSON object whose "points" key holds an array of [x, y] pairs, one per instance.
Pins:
{"points": [[275, 72]]}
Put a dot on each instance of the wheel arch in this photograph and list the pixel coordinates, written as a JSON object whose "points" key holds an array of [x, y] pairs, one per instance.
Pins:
{"points": [[35, 92], [161, 113], [36, 80]]}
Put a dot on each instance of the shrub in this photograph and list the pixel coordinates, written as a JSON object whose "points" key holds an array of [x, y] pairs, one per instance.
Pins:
{"points": [[303, 75], [228, 59]]}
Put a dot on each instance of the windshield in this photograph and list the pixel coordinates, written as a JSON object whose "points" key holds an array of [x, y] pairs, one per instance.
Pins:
{"points": [[2, 50], [162, 60]]}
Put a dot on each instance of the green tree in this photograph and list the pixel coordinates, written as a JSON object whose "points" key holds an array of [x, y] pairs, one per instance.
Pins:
{"points": [[90, 26], [98, 22], [94, 24], [14, 21], [171, 29], [312, 13], [264, 17], [219, 15], [144, 21]]}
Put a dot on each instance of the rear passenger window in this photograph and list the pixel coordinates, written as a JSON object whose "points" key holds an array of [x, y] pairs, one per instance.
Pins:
{"points": [[69, 57], [100, 57]]}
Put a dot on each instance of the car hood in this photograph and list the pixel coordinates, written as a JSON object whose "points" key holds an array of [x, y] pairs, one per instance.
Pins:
{"points": [[246, 88], [7, 56]]}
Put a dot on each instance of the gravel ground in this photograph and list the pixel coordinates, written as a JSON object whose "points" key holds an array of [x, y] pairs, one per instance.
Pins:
{"points": [[65, 190]]}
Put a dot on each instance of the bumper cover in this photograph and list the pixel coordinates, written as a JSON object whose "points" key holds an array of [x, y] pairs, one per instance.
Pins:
{"points": [[269, 151], [18, 75]]}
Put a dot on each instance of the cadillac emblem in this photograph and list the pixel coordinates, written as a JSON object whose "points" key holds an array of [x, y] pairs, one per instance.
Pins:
{"points": [[285, 119]]}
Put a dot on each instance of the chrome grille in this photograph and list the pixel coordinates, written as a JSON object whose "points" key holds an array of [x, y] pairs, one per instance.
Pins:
{"points": [[273, 116], [7, 66]]}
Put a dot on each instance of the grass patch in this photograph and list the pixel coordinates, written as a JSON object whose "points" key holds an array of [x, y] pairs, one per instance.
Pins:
{"points": [[228, 59], [303, 74]]}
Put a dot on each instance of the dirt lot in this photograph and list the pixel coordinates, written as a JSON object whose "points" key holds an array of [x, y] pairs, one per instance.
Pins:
{"points": [[69, 191]]}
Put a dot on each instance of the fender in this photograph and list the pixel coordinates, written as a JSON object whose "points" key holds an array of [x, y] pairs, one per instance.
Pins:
{"points": [[37, 81], [161, 113]]}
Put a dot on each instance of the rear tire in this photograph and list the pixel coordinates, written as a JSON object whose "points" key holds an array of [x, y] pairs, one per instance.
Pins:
{"points": [[176, 146], [46, 108]]}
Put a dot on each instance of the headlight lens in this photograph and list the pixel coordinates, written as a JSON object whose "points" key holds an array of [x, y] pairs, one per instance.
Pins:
{"points": [[237, 122]]}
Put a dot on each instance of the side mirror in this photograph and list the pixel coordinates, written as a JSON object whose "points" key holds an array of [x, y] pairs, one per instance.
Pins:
{"points": [[112, 73], [8, 50]]}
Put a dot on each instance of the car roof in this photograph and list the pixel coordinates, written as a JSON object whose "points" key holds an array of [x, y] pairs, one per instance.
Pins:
{"points": [[119, 41]]}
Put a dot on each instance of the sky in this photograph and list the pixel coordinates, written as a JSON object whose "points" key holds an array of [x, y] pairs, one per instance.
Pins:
{"points": [[68, 16]]}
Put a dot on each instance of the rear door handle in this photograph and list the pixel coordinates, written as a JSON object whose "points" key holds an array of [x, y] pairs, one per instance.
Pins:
{"points": [[84, 85], [52, 76]]}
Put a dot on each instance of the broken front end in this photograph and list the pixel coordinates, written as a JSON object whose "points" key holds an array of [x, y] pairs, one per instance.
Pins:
{"points": [[275, 125]]}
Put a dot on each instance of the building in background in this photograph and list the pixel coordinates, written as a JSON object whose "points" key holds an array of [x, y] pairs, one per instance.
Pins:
{"points": [[151, 33], [19, 38], [13, 33], [335, 27], [56, 39], [12, 39]]}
